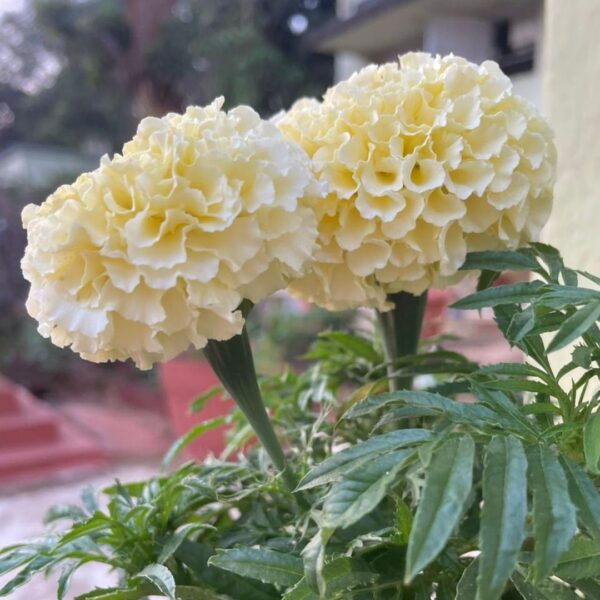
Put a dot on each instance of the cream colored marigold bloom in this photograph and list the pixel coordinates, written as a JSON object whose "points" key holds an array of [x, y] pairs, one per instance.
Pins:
{"points": [[425, 159], [155, 250]]}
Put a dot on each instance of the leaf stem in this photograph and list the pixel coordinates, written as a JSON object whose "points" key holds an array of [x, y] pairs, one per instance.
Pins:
{"points": [[400, 332], [233, 364]]}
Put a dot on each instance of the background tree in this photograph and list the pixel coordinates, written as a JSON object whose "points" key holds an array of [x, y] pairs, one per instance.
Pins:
{"points": [[67, 60], [81, 74]]}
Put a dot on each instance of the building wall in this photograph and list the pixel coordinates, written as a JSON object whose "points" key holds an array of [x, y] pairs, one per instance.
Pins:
{"points": [[571, 100], [529, 85], [346, 63], [467, 35], [524, 33]]}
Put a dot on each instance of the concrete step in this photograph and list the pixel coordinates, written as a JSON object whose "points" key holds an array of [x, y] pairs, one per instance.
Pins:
{"points": [[37, 442], [9, 401], [37, 428], [70, 453]]}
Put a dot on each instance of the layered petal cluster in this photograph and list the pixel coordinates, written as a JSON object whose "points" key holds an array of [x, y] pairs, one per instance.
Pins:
{"points": [[155, 250], [426, 159]]}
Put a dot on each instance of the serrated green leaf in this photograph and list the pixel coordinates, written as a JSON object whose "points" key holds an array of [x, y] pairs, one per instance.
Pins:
{"points": [[513, 369], [17, 556], [172, 543], [357, 345], [554, 515], [561, 296], [522, 323], [65, 511], [507, 413], [340, 575], [97, 522], [581, 561], [519, 386], [263, 564], [358, 492], [65, 579], [541, 408], [575, 326], [502, 528], [501, 260], [584, 495], [448, 482], [160, 577], [591, 443], [526, 590], [133, 593], [37, 565], [459, 412], [193, 434], [195, 556], [405, 412], [532, 344], [512, 293], [313, 556], [487, 279], [332, 468], [546, 322], [467, 585], [582, 356], [551, 256], [88, 499], [403, 520], [200, 401], [187, 592], [556, 430]]}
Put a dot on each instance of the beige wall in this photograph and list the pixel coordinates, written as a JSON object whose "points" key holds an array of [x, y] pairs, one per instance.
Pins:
{"points": [[346, 63], [572, 102]]}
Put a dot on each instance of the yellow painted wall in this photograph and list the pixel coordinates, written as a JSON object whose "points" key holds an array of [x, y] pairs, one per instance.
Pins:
{"points": [[572, 103]]}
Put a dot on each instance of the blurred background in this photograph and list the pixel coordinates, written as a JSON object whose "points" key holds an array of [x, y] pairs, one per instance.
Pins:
{"points": [[75, 78]]}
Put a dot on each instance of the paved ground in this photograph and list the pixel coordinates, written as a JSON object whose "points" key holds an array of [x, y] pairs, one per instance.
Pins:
{"points": [[21, 515]]}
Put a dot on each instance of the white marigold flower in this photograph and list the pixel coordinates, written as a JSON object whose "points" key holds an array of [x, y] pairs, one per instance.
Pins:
{"points": [[425, 159], [155, 250]]}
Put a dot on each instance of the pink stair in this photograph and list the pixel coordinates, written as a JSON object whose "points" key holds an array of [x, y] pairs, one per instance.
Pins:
{"points": [[37, 443], [183, 380]]}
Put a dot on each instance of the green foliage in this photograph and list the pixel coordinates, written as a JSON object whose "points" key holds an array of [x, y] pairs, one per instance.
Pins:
{"points": [[242, 49], [502, 529], [268, 566], [408, 495], [447, 486]]}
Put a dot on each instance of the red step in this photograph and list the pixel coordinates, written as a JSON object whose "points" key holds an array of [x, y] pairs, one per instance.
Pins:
{"points": [[28, 429], [9, 402], [72, 451], [36, 442]]}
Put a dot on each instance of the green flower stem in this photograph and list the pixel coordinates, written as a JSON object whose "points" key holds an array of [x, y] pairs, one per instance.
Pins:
{"points": [[400, 332], [233, 364]]}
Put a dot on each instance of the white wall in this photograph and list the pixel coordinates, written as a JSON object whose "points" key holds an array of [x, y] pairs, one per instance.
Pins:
{"points": [[572, 102]]}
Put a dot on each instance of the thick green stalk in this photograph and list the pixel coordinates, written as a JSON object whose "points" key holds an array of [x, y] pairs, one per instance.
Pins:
{"points": [[233, 364], [400, 332]]}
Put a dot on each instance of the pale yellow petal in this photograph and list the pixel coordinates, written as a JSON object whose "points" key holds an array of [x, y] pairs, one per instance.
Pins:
{"points": [[442, 208], [371, 255]]}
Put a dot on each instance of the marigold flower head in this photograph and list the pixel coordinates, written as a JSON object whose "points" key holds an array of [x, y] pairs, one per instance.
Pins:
{"points": [[426, 159], [155, 250]]}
